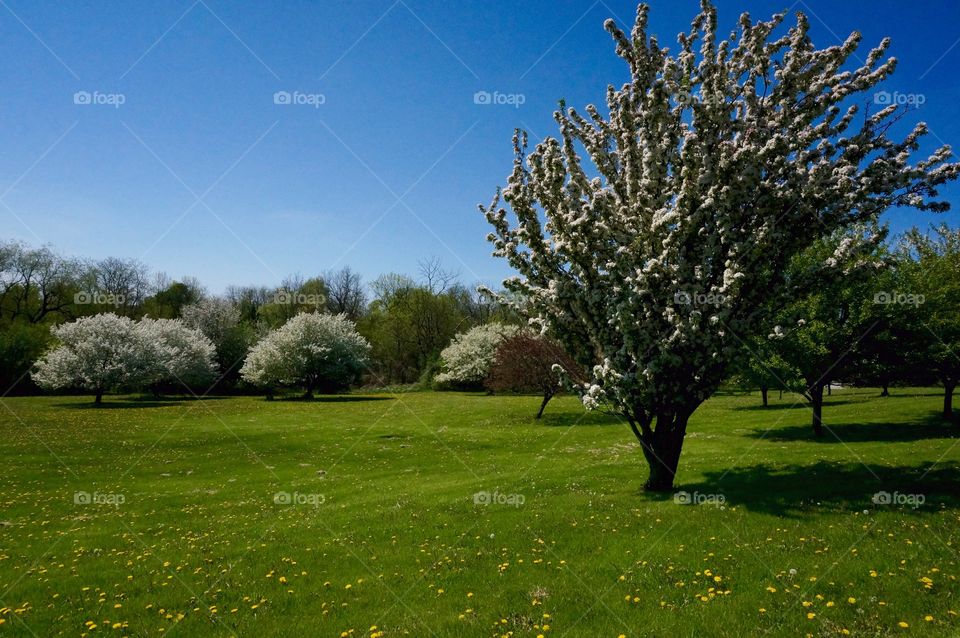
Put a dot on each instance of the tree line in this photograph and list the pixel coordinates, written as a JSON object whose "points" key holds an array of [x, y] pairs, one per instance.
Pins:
{"points": [[407, 320]]}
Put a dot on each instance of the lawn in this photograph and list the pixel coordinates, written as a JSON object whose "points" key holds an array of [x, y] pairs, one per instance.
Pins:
{"points": [[189, 532]]}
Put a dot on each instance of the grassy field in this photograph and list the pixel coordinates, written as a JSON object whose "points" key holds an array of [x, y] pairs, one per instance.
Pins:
{"points": [[188, 531]]}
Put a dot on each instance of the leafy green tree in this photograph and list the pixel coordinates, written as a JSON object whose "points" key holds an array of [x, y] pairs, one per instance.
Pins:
{"points": [[817, 333], [929, 268]]}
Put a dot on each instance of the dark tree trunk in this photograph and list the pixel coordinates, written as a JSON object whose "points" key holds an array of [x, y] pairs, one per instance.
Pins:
{"points": [[885, 390], [829, 390], [763, 392], [98, 399], [816, 399], [661, 447], [948, 389], [781, 393], [309, 393], [546, 400]]}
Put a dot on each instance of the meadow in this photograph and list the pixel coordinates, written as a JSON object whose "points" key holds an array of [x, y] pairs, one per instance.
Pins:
{"points": [[456, 514]]}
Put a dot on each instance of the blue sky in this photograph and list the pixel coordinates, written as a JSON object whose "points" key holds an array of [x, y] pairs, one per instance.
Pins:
{"points": [[198, 171]]}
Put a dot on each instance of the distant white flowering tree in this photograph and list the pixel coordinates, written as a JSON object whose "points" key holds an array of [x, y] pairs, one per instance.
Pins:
{"points": [[98, 353], [186, 356], [311, 350], [713, 168], [219, 320], [467, 360]]}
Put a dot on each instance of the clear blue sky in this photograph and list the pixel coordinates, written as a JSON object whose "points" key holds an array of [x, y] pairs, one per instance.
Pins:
{"points": [[294, 188]]}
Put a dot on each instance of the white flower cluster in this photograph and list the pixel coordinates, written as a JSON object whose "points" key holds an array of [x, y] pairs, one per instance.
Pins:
{"points": [[310, 350], [468, 358], [708, 197], [106, 351]]}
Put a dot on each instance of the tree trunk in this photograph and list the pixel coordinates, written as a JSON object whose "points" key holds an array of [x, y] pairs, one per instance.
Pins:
{"points": [[546, 399], [885, 392], [98, 399], [763, 392], [829, 390], [661, 447], [781, 393], [816, 399], [948, 389]]}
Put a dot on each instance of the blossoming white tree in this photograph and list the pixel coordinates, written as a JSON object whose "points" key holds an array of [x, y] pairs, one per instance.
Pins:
{"points": [[467, 360], [186, 356], [713, 168], [311, 350], [98, 353]]}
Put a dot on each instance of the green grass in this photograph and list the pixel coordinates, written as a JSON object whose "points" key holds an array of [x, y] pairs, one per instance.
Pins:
{"points": [[200, 548]]}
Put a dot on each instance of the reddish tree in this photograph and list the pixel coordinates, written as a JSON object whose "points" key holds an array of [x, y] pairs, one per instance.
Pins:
{"points": [[524, 363]]}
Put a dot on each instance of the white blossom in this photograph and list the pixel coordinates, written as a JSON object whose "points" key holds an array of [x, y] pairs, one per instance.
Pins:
{"points": [[313, 350], [711, 197], [467, 360]]}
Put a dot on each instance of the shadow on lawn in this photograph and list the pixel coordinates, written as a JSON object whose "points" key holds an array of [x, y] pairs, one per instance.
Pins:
{"points": [[799, 404], [127, 403], [333, 398], [799, 490], [566, 419], [932, 427]]}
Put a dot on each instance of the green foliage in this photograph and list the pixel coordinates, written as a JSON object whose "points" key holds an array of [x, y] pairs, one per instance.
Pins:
{"points": [[21, 344]]}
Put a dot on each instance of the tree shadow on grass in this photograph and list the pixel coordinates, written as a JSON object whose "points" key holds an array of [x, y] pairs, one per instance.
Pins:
{"points": [[116, 405], [795, 491], [799, 404], [933, 426], [334, 398], [566, 419]]}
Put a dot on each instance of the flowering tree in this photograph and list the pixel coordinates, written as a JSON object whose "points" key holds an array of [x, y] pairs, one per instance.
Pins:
{"points": [[219, 320], [311, 350], [713, 168], [98, 353], [186, 356], [525, 363], [467, 359]]}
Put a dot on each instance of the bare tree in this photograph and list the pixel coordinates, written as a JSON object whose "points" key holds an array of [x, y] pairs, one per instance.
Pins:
{"points": [[345, 293], [434, 276]]}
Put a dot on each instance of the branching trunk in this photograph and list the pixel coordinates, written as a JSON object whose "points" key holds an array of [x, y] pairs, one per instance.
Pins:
{"points": [[661, 446]]}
